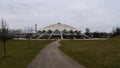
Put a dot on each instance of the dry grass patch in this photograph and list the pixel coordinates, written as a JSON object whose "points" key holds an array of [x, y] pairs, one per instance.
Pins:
{"points": [[94, 53]]}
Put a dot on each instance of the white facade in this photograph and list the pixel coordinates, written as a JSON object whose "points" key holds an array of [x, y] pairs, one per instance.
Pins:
{"points": [[59, 27]]}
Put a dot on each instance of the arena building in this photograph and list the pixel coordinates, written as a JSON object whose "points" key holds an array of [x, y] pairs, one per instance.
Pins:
{"points": [[60, 31]]}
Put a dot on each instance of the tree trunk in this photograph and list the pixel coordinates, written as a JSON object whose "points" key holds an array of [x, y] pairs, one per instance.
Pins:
{"points": [[29, 43], [4, 48]]}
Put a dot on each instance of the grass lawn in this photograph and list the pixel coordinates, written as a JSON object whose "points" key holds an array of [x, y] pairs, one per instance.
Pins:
{"points": [[18, 53], [94, 53]]}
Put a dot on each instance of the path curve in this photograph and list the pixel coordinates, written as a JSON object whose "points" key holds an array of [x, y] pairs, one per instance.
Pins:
{"points": [[52, 57]]}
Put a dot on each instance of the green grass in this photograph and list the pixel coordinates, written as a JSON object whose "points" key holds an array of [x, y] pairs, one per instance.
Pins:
{"points": [[94, 53], [19, 55]]}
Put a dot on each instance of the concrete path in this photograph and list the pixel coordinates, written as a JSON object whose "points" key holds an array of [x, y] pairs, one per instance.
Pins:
{"points": [[52, 57]]}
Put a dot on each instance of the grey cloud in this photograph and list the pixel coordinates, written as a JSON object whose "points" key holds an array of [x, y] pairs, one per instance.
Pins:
{"points": [[94, 14]]}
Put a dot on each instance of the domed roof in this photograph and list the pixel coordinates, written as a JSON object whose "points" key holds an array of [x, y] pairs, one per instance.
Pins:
{"points": [[59, 27]]}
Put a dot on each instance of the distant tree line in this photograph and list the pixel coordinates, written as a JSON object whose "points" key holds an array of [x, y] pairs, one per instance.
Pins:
{"points": [[97, 34]]}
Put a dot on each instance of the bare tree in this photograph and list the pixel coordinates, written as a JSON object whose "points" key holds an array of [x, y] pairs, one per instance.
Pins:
{"points": [[28, 31], [88, 33], [17, 33], [116, 31], [4, 35]]}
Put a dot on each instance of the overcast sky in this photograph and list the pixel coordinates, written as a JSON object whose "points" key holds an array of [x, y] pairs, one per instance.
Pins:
{"points": [[98, 15]]}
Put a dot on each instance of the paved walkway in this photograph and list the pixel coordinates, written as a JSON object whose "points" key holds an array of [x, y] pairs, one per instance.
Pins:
{"points": [[52, 57]]}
